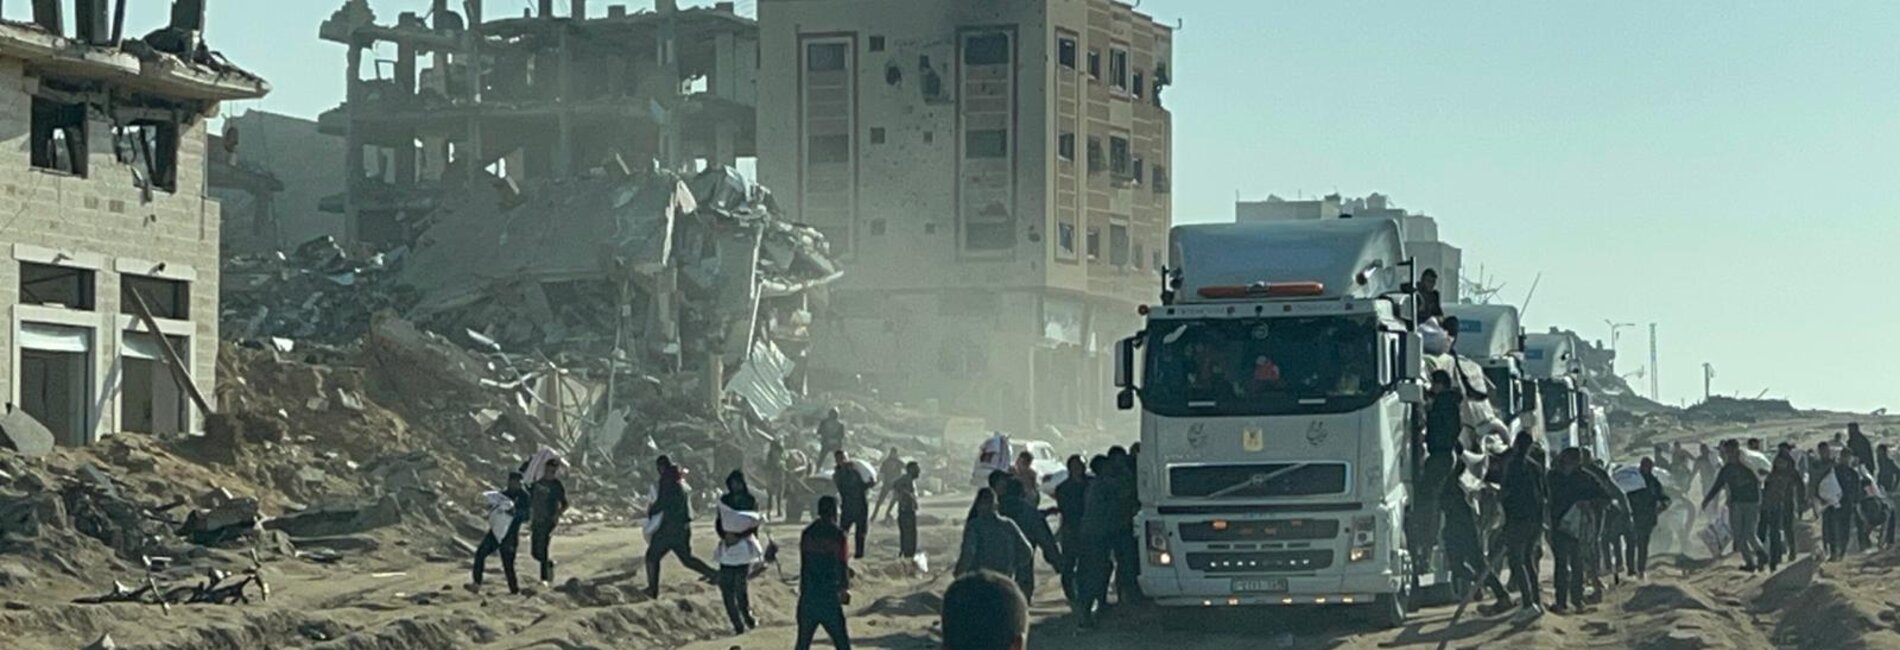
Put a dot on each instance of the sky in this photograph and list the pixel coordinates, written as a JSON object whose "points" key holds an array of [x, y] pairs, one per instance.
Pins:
{"points": [[1709, 166]]}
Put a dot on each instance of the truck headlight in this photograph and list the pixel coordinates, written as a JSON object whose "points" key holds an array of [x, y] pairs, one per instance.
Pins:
{"points": [[1159, 553], [1365, 539]]}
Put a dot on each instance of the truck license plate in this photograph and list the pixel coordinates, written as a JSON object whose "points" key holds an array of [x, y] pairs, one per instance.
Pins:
{"points": [[1260, 585]]}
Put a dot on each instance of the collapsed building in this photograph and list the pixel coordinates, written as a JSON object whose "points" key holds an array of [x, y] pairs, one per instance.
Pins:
{"points": [[111, 266]]}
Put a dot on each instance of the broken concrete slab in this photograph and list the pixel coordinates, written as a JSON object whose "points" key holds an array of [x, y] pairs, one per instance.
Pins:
{"points": [[21, 433]]}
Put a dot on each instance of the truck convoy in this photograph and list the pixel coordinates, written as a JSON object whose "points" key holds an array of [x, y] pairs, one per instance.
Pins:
{"points": [[1277, 381], [1570, 420]]}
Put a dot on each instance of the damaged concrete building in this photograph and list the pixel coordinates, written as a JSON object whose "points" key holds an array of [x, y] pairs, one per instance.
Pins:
{"points": [[108, 232], [273, 173], [997, 176], [473, 98]]}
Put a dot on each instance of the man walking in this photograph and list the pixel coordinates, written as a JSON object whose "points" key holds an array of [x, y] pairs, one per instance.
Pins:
{"points": [[1522, 497], [1071, 496], [1571, 489], [1744, 505], [824, 578], [830, 434], [1782, 495], [905, 490], [674, 534], [854, 492], [1646, 506], [992, 542], [507, 510], [887, 469], [547, 500]]}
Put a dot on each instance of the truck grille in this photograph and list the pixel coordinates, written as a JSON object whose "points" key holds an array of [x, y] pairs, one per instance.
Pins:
{"points": [[1262, 562], [1252, 531], [1207, 480]]}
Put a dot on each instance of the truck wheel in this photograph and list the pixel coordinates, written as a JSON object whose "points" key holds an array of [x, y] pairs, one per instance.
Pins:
{"points": [[1390, 610]]}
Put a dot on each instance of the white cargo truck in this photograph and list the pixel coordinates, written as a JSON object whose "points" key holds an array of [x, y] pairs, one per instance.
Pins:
{"points": [[1277, 381], [1569, 417]]}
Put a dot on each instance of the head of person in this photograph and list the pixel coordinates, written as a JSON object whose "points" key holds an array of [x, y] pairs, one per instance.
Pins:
{"points": [[828, 508], [985, 503], [1522, 442], [985, 611], [913, 470], [735, 482], [1731, 451], [1784, 462], [1134, 448], [1100, 465], [552, 469], [1117, 453], [1569, 460], [832, 414], [1848, 459], [1024, 460], [1428, 281], [1785, 447], [662, 462], [1825, 450], [514, 480], [838, 456], [1075, 464], [1853, 428], [1451, 326], [998, 481], [1441, 382], [1647, 466]]}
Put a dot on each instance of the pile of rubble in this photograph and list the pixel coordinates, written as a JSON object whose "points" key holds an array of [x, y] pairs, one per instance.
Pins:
{"points": [[319, 293]]}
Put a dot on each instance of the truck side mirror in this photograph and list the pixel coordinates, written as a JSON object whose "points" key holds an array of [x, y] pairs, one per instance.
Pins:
{"points": [[1413, 353], [1125, 363]]}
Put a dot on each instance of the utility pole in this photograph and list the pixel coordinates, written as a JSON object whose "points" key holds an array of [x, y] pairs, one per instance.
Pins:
{"points": [[1708, 378], [1655, 371]]}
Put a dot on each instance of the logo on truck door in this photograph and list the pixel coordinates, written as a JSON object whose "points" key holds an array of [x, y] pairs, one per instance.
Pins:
{"points": [[1316, 434], [1253, 439]]}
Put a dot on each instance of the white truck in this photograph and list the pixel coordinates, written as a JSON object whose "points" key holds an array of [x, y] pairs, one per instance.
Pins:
{"points": [[1277, 382], [1570, 419], [1490, 336]]}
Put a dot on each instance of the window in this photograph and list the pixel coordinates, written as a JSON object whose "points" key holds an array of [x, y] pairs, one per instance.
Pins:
{"points": [[997, 236], [1095, 243], [877, 43], [1065, 239], [830, 149], [1096, 161], [1118, 245], [1160, 184], [166, 298], [59, 136], [986, 143], [1065, 52], [152, 149], [1118, 162], [1065, 146], [60, 286], [877, 135], [1095, 63], [1137, 175], [1139, 256], [1118, 68], [929, 136], [986, 49], [825, 57], [1136, 86]]}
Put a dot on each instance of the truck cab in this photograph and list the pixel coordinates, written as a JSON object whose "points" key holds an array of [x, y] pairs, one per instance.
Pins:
{"points": [[1276, 384], [1556, 373]]}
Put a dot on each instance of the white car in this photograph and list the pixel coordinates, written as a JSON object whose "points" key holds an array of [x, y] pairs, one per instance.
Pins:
{"points": [[1043, 458]]}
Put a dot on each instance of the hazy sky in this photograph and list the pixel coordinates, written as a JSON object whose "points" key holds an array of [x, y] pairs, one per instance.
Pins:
{"points": [[1724, 169]]}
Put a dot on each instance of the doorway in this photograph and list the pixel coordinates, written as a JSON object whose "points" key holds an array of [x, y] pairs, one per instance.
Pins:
{"points": [[56, 379], [150, 398]]}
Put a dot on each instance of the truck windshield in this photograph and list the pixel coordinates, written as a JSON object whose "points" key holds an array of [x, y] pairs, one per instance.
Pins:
{"points": [[1556, 402], [1261, 366], [1503, 391]]}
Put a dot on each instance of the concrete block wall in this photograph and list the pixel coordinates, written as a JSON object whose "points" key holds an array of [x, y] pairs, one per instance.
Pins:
{"points": [[101, 222]]}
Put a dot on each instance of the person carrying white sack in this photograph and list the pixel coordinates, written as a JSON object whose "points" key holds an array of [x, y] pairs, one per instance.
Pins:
{"points": [[739, 549]]}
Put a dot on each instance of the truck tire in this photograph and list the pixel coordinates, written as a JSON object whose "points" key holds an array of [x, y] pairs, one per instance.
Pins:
{"points": [[1390, 610]]}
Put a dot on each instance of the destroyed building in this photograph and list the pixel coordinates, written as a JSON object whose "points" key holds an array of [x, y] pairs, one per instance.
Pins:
{"points": [[473, 98], [108, 233], [273, 174], [997, 177]]}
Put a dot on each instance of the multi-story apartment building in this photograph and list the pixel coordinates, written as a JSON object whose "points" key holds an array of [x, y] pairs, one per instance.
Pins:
{"points": [[102, 205], [996, 176]]}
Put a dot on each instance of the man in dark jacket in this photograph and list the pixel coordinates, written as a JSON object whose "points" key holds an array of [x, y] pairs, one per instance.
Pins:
{"points": [[887, 471], [1464, 547], [1646, 505], [1744, 504], [506, 544], [1858, 443], [1071, 496], [831, 434], [854, 493], [1127, 550], [1839, 519], [1571, 489], [547, 500], [824, 578], [991, 542], [1610, 521], [1098, 528], [1783, 493], [905, 490], [1523, 498], [674, 536], [1012, 503]]}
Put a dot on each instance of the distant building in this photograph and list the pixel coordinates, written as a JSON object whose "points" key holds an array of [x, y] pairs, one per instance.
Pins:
{"points": [[996, 176], [273, 173], [1421, 232], [475, 98], [103, 190]]}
